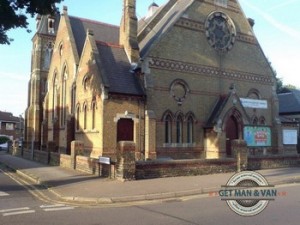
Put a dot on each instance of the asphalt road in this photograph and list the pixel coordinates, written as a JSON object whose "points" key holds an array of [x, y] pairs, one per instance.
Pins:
{"points": [[18, 206]]}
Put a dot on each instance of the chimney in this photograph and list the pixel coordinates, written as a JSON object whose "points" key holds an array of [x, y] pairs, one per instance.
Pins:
{"points": [[128, 31], [152, 9], [251, 22], [65, 10]]}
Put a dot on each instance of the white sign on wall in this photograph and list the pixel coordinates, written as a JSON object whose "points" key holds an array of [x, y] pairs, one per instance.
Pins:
{"points": [[254, 103], [290, 137]]}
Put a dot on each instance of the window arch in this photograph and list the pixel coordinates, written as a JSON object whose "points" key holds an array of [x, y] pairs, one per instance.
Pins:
{"points": [[78, 117], [168, 129], [254, 94], [262, 120], [85, 109], [167, 120], [86, 82], [48, 55], [54, 96], [64, 96], [73, 96], [190, 129], [61, 49], [254, 120], [179, 128], [94, 107]]}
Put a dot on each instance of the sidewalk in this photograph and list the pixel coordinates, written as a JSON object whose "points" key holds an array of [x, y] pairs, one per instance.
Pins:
{"points": [[71, 185]]}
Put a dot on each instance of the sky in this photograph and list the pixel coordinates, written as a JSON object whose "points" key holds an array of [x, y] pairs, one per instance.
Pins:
{"points": [[277, 29]]}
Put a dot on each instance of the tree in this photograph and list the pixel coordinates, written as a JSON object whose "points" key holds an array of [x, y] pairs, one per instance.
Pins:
{"points": [[3, 139], [13, 14]]}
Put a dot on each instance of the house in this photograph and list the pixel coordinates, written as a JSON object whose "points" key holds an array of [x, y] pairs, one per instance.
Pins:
{"points": [[182, 83], [289, 111], [11, 126]]}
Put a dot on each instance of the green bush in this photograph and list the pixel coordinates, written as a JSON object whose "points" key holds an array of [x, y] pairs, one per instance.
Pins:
{"points": [[3, 139]]}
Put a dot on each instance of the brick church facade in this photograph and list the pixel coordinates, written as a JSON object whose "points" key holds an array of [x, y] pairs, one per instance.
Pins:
{"points": [[181, 83]]}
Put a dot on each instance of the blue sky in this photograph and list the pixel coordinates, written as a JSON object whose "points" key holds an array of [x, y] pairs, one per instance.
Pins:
{"points": [[277, 28]]}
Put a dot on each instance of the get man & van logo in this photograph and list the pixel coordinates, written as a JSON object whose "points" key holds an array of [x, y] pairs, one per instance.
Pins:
{"points": [[247, 193]]}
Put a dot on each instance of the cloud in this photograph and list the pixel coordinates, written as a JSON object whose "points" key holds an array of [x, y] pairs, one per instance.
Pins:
{"points": [[294, 33]]}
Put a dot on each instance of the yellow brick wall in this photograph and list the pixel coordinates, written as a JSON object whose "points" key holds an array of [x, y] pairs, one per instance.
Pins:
{"points": [[187, 48]]}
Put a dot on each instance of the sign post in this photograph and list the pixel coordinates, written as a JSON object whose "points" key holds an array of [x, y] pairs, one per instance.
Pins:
{"points": [[105, 161]]}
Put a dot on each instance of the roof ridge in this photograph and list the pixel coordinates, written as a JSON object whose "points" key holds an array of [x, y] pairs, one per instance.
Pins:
{"points": [[95, 22], [109, 44]]}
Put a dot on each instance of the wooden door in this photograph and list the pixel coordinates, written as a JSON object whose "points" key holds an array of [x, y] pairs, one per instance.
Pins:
{"points": [[232, 133], [125, 130]]}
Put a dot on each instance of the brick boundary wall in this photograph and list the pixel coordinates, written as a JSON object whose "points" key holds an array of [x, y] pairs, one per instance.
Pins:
{"points": [[160, 168], [156, 169], [179, 152], [65, 161], [272, 162], [27, 154], [41, 157], [54, 159], [87, 165]]}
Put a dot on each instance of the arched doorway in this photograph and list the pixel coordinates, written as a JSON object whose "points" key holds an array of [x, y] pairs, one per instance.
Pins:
{"points": [[232, 132]]}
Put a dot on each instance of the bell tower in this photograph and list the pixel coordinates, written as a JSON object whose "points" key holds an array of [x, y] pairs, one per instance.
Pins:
{"points": [[42, 49]]}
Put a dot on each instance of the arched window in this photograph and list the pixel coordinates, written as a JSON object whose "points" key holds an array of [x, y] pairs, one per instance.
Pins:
{"points": [[61, 49], [93, 115], [254, 120], [168, 129], [190, 130], [78, 117], [86, 82], [64, 97], [85, 116], [179, 126], [262, 120], [48, 55], [253, 94], [54, 97], [73, 96]]}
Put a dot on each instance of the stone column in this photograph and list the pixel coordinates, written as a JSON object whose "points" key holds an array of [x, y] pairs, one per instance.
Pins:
{"points": [[15, 147], [150, 135], [77, 148], [126, 160], [240, 151]]}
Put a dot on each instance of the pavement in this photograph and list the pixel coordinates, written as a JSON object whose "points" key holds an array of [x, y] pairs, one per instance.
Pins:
{"points": [[71, 185]]}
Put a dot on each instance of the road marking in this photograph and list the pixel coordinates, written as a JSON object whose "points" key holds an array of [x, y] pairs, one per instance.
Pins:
{"points": [[3, 194], [16, 211], [57, 207]]}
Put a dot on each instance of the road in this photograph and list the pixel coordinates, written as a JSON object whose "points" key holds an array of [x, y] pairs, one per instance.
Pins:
{"points": [[19, 206]]}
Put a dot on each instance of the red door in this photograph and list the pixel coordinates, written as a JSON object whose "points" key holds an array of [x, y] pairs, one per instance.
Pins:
{"points": [[125, 130], [231, 133]]}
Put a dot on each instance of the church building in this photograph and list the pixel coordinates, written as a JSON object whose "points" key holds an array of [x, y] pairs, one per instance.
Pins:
{"points": [[180, 83]]}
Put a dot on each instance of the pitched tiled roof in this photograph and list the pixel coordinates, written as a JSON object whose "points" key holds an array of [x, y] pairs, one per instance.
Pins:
{"points": [[102, 31], [289, 102], [8, 117], [212, 120], [117, 70]]}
